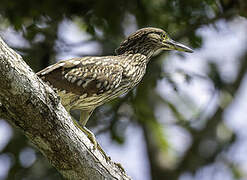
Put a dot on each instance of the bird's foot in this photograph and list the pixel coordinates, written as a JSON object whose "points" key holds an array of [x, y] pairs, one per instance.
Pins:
{"points": [[96, 145], [92, 138]]}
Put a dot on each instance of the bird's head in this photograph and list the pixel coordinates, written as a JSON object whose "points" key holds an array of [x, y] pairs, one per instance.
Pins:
{"points": [[148, 40]]}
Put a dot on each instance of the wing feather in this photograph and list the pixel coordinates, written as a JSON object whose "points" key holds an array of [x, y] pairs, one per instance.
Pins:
{"points": [[91, 75]]}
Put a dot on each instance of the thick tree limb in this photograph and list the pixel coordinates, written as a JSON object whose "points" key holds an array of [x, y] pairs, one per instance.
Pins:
{"points": [[29, 104]]}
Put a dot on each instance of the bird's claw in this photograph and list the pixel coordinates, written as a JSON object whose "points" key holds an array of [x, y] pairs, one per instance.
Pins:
{"points": [[92, 138], [96, 145]]}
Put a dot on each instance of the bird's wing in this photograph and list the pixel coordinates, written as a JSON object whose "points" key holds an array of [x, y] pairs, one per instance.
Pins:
{"points": [[91, 75]]}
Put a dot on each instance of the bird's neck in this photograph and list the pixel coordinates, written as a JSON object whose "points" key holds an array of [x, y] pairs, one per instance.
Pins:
{"points": [[134, 66], [136, 59]]}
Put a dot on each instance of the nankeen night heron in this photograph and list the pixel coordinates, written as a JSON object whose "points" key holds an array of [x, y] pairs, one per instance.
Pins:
{"points": [[88, 82]]}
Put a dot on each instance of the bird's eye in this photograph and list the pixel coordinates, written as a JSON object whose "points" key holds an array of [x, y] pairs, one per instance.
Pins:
{"points": [[164, 36]]}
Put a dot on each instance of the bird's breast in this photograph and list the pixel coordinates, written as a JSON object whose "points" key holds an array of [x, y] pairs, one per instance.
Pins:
{"points": [[133, 74]]}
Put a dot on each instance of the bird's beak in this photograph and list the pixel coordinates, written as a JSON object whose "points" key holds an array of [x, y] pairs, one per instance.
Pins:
{"points": [[173, 45]]}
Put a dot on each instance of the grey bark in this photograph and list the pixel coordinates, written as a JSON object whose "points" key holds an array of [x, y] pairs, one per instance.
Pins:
{"points": [[33, 107]]}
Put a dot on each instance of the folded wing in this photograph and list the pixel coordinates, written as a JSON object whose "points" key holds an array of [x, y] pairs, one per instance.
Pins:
{"points": [[84, 75]]}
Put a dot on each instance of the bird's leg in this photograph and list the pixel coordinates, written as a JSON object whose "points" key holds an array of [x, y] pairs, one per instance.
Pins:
{"points": [[85, 115]]}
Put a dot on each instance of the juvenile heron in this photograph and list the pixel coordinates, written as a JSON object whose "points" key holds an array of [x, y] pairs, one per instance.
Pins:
{"points": [[88, 82]]}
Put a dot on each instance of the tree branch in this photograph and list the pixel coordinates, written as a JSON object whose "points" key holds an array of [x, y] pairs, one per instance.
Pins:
{"points": [[29, 104]]}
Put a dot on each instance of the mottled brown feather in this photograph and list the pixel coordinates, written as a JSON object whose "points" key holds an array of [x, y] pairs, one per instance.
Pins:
{"points": [[106, 74]]}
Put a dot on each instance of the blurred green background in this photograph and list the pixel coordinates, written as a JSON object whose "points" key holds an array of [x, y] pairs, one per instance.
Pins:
{"points": [[186, 120]]}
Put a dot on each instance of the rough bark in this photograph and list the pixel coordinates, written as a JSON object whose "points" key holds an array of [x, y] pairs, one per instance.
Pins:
{"points": [[30, 105]]}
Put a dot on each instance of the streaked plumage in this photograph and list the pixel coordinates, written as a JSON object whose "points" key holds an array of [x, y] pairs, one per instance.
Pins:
{"points": [[88, 82]]}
